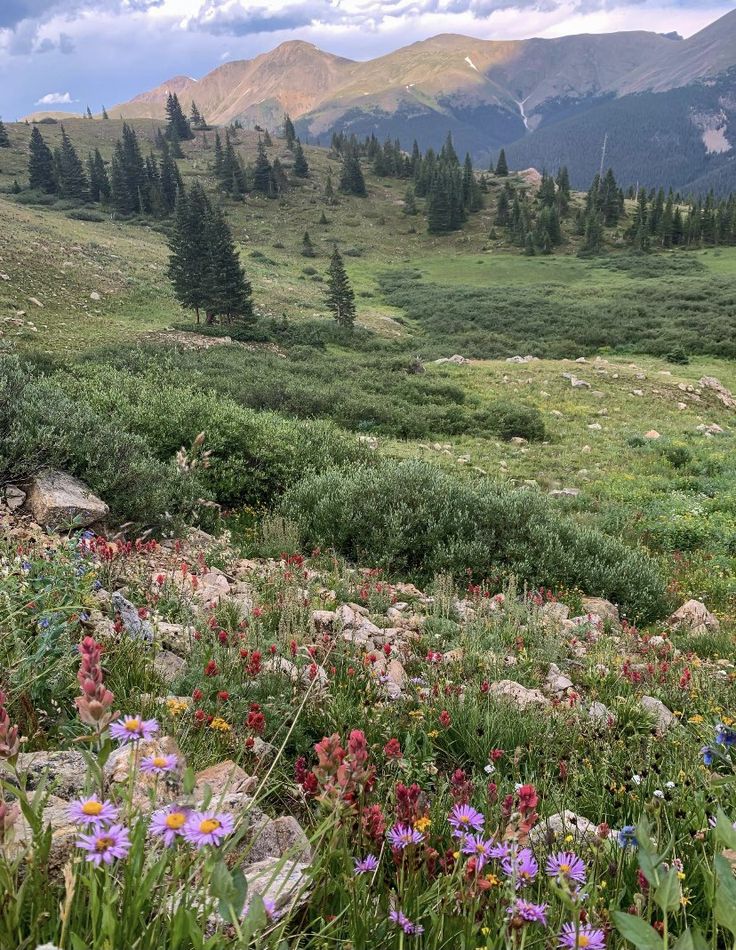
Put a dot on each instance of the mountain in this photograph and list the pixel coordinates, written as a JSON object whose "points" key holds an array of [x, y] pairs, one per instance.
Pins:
{"points": [[666, 104]]}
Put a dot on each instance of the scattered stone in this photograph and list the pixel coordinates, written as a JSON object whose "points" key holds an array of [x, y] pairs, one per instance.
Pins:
{"points": [[595, 426], [601, 608], [575, 382], [519, 695], [522, 359], [94, 296], [284, 884], [723, 394], [599, 712], [133, 624], [556, 681], [127, 759], [712, 429], [556, 827], [168, 665], [224, 778], [63, 772], [457, 360], [395, 678], [564, 493], [663, 717], [323, 621], [694, 617], [58, 501], [175, 637], [652, 434], [14, 497]]}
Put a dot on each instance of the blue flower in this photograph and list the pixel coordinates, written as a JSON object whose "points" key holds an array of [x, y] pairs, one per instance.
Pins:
{"points": [[44, 623], [627, 837], [725, 736], [707, 754]]}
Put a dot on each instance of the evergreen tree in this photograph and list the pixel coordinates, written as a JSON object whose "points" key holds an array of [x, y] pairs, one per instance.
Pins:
{"points": [[593, 237], [105, 116], [41, 164], [289, 132], [267, 140], [99, 183], [472, 199], [4, 137], [448, 153], [307, 246], [502, 168], [439, 211], [340, 296], [72, 181], [410, 204], [351, 178], [227, 289], [218, 161], [503, 209], [280, 179], [188, 261], [263, 173], [177, 124], [323, 219], [563, 190], [301, 168], [196, 119], [169, 182], [329, 191], [88, 114]]}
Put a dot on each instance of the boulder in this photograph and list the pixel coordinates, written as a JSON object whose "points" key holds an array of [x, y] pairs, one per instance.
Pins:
{"points": [[556, 681], [722, 394], [224, 778], [58, 501], [64, 772], [519, 695], [323, 621], [168, 665], [551, 831], [694, 617], [599, 712], [14, 497], [601, 608], [652, 434], [662, 716], [211, 587], [175, 637], [128, 757], [133, 625], [395, 678], [283, 885], [63, 836]]}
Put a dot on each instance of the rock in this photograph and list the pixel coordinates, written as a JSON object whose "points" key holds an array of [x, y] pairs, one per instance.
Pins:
{"points": [[456, 360], [395, 678], [126, 757], [555, 614], [564, 493], [14, 497], [652, 434], [36, 302], [601, 608], [94, 296], [323, 620], [64, 772], [264, 837], [224, 778], [637, 392], [598, 712], [595, 426], [175, 637], [694, 617], [211, 587], [681, 406], [519, 695], [723, 394], [521, 359], [284, 885], [133, 625], [63, 836], [168, 665], [555, 828], [575, 382], [556, 682], [663, 718], [58, 501], [711, 429], [517, 440]]}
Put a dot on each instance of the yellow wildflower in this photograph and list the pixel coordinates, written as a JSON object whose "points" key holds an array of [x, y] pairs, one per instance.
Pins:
{"points": [[219, 725], [433, 733], [422, 824], [176, 706]]}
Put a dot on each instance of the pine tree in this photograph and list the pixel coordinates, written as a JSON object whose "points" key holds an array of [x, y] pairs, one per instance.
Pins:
{"points": [[323, 219], [289, 132], [439, 211], [196, 119], [4, 137], [218, 161], [88, 114], [267, 140], [593, 237], [563, 190], [329, 191], [503, 209], [41, 164], [502, 168], [105, 116], [472, 199], [301, 168], [340, 298], [176, 120], [263, 173], [169, 183], [99, 183], [307, 246], [280, 179], [189, 253], [72, 181], [351, 178], [227, 289], [448, 153], [410, 204]]}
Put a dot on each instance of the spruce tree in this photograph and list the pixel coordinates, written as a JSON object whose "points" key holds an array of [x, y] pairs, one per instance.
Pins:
{"points": [[105, 116], [503, 209], [307, 246], [340, 298], [267, 140], [410, 204], [189, 252], [351, 178], [99, 183], [329, 191], [280, 178], [502, 168], [301, 168], [88, 114], [41, 164], [289, 132], [263, 173], [4, 137], [439, 213], [227, 290], [72, 181], [177, 124]]}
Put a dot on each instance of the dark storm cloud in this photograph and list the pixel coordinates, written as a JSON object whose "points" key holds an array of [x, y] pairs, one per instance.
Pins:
{"points": [[15, 12]]}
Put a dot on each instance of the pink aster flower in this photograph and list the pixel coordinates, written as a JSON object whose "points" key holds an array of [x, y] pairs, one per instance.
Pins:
{"points": [[105, 845], [480, 848], [159, 764], [168, 823], [584, 937], [566, 866], [401, 920], [520, 865], [207, 827], [528, 912], [133, 729], [401, 836], [91, 811], [365, 865], [465, 819]]}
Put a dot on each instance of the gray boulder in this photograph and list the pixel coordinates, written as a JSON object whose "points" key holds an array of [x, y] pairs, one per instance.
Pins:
{"points": [[59, 501]]}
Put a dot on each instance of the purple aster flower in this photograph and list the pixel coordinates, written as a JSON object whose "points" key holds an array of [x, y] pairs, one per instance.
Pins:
{"points": [[133, 729], [584, 937], [480, 848], [521, 865], [365, 865], [528, 912], [207, 827], [104, 845], [500, 850], [464, 819], [401, 920], [566, 866], [402, 836], [168, 823], [91, 811], [159, 764]]}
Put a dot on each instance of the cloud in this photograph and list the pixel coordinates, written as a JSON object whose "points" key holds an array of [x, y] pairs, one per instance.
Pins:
{"points": [[15, 12], [55, 99]]}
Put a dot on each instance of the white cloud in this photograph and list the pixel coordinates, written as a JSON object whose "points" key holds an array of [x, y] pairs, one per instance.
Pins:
{"points": [[55, 99]]}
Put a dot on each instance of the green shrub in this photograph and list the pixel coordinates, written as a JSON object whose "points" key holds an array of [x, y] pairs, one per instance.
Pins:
{"points": [[85, 214], [413, 518], [509, 420]]}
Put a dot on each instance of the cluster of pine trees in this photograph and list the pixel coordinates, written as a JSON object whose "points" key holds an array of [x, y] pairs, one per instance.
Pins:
{"points": [[265, 177], [534, 223], [4, 137], [133, 185]]}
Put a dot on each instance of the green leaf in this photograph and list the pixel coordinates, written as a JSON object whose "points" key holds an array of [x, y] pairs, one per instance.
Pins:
{"points": [[668, 893], [725, 832], [189, 780], [637, 931], [725, 895]]}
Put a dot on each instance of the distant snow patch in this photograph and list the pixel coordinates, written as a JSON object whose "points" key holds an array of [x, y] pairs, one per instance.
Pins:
{"points": [[470, 63], [715, 141]]}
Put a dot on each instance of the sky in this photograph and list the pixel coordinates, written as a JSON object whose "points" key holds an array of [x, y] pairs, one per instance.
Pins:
{"points": [[64, 55]]}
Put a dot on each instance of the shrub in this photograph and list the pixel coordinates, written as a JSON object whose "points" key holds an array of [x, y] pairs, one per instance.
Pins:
{"points": [[411, 517], [85, 214], [509, 420]]}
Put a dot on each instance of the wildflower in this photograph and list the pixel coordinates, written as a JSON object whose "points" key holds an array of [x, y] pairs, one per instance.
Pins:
{"points": [[105, 845], [8, 817], [95, 703], [627, 837], [520, 865], [392, 749], [402, 836], [374, 824], [176, 707], [480, 848], [9, 739], [91, 811], [566, 866], [584, 937], [220, 725], [208, 827], [464, 819], [445, 718], [401, 920], [159, 764], [133, 728], [725, 736], [168, 823], [423, 824], [365, 865], [526, 912]]}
